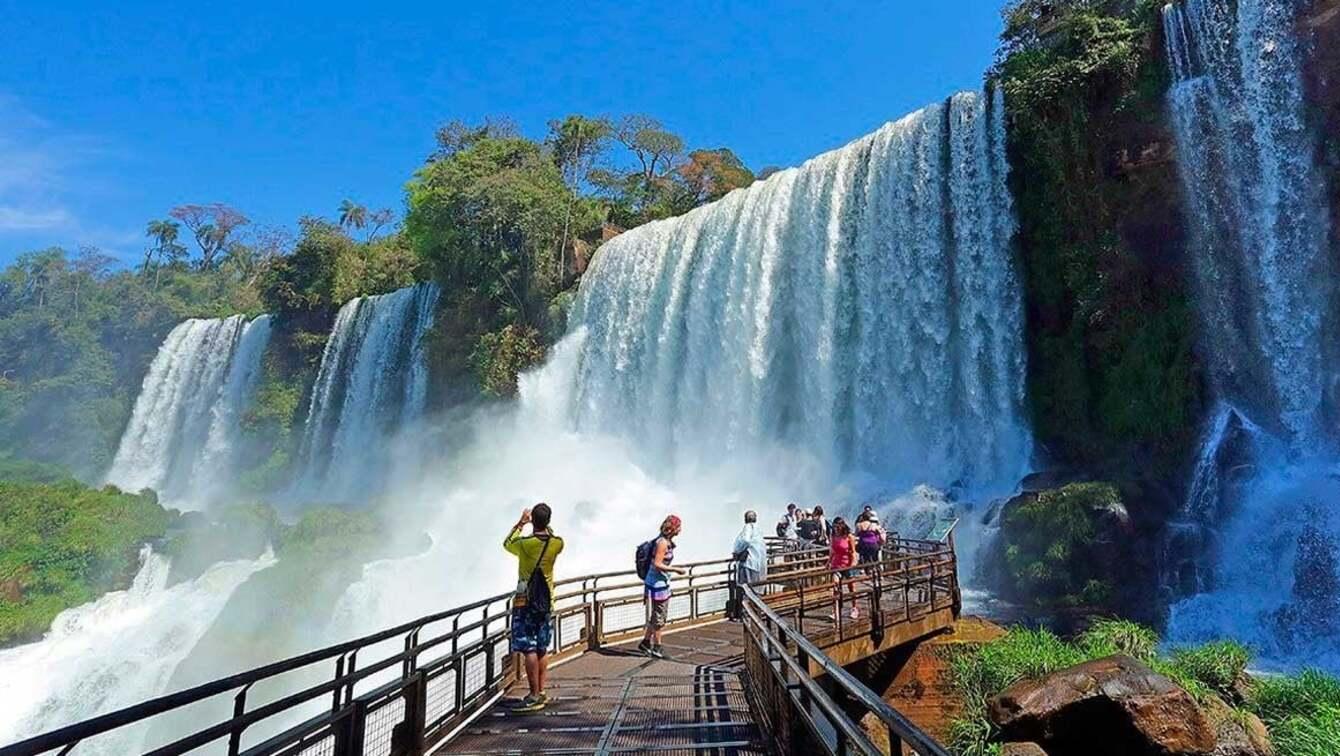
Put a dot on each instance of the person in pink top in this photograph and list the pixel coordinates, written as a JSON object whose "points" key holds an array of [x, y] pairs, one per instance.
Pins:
{"points": [[842, 561]]}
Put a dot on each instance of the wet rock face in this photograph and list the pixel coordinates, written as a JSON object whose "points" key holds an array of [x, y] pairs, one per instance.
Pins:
{"points": [[1114, 706], [1315, 609]]}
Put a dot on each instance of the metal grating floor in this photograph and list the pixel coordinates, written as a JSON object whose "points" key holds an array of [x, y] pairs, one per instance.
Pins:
{"points": [[616, 701]]}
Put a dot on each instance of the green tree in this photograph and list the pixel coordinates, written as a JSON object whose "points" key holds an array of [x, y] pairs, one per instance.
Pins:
{"points": [[576, 142]]}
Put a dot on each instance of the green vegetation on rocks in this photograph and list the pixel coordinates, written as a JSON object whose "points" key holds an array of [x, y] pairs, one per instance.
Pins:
{"points": [[1112, 376], [63, 544], [1302, 712], [1056, 545]]}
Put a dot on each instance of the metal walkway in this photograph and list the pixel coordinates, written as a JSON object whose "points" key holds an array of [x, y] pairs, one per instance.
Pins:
{"points": [[618, 701], [774, 682]]}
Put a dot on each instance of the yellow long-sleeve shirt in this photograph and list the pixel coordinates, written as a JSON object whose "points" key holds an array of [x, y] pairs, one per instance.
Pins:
{"points": [[527, 550]]}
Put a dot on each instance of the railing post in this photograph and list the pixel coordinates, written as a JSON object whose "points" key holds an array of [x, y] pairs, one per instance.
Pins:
{"points": [[895, 743], [239, 708], [409, 736], [349, 737]]}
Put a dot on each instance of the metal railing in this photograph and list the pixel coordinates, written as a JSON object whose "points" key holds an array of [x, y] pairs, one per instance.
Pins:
{"points": [[405, 689], [799, 604], [438, 672]]}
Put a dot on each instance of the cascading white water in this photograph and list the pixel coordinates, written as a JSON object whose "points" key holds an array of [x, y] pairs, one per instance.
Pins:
{"points": [[864, 308], [185, 430], [373, 380], [860, 311], [1259, 221], [116, 651], [1264, 290]]}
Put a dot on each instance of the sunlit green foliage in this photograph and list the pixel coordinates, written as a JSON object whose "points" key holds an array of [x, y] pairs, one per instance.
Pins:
{"points": [[63, 544], [1302, 712], [1115, 636], [501, 356], [76, 339]]}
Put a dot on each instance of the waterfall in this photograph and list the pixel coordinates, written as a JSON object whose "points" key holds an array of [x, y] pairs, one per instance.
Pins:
{"points": [[373, 380], [864, 307], [1262, 493], [1259, 221], [113, 652], [184, 432]]}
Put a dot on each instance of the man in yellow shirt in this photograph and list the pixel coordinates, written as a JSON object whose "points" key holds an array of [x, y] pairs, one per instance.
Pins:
{"points": [[532, 627]]}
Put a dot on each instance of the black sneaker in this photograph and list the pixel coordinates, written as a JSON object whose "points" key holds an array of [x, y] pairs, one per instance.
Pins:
{"points": [[645, 648], [657, 652]]}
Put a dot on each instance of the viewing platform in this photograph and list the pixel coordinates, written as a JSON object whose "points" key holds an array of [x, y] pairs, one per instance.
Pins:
{"points": [[771, 679]]}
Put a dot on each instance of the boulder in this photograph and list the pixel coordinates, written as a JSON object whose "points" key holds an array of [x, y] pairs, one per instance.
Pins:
{"points": [[1113, 706], [1022, 749], [1237, 733]]}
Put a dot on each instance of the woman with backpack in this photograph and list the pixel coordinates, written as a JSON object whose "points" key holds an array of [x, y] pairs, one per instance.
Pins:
{"points": [[842, 561], [657, 584], [869, 537]]}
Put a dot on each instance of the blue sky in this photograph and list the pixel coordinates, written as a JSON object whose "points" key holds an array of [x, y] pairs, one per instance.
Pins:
{"points": [[111, 113]]}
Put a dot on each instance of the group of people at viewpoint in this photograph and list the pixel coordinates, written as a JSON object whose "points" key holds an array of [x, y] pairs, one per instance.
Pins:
{"points": [[537, 552]]}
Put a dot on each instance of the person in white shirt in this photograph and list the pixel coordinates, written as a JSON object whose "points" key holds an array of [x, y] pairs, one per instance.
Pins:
{"points": [[749, 550], [751, 560]]}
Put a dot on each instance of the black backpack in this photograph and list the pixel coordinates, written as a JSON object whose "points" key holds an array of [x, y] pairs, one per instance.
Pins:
{"points": [[538, 599], [645, 551]]}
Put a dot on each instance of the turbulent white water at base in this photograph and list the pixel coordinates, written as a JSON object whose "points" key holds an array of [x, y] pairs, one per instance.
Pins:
{"points": [[185, 430], [113, 652], [1265, 290], [373, 382], [863, 308]]}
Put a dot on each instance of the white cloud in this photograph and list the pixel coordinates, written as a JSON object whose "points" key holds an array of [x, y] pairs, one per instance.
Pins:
{"points": [[44, 171], [27, 219]]}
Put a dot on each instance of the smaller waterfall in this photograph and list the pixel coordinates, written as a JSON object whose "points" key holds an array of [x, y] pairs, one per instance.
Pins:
{"points": [[185, 430], [1261, 505], [372, 382], [1259, 220], [116, 651]]}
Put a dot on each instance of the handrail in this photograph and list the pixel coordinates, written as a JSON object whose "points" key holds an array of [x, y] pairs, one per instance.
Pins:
{"points": [[756, 608], [584, 604]]}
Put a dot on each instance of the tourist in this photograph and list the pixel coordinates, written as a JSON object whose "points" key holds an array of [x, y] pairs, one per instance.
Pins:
{"points": [[807, 527], [657, 586], [842, 561], [532, 606], [751, 559], [783, 526], [792, 519], [869, 536], [822, 528]]}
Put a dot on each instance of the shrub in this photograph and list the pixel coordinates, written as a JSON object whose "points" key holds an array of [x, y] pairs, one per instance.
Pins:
{"points": [[1217, 665], [1110, 636], [1049, 539]]}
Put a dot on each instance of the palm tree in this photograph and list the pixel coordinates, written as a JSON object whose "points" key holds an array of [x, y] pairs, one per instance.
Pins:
{"points": [[164, 232], [379, 218], [353, 214]]}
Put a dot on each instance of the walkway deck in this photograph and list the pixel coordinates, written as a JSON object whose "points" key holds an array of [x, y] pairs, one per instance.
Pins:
{"points": [[775, 682], [618, 701]]}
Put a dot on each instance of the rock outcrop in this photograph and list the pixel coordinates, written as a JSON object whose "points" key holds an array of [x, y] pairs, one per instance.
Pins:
{"points": [[1113, 706]]}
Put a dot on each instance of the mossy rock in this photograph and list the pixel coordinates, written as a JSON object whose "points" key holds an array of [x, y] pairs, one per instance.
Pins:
{"points": [[1062, 547]]}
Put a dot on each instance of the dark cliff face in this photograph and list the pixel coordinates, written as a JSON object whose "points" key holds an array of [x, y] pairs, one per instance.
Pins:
{"points": [[1114, 381]]}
